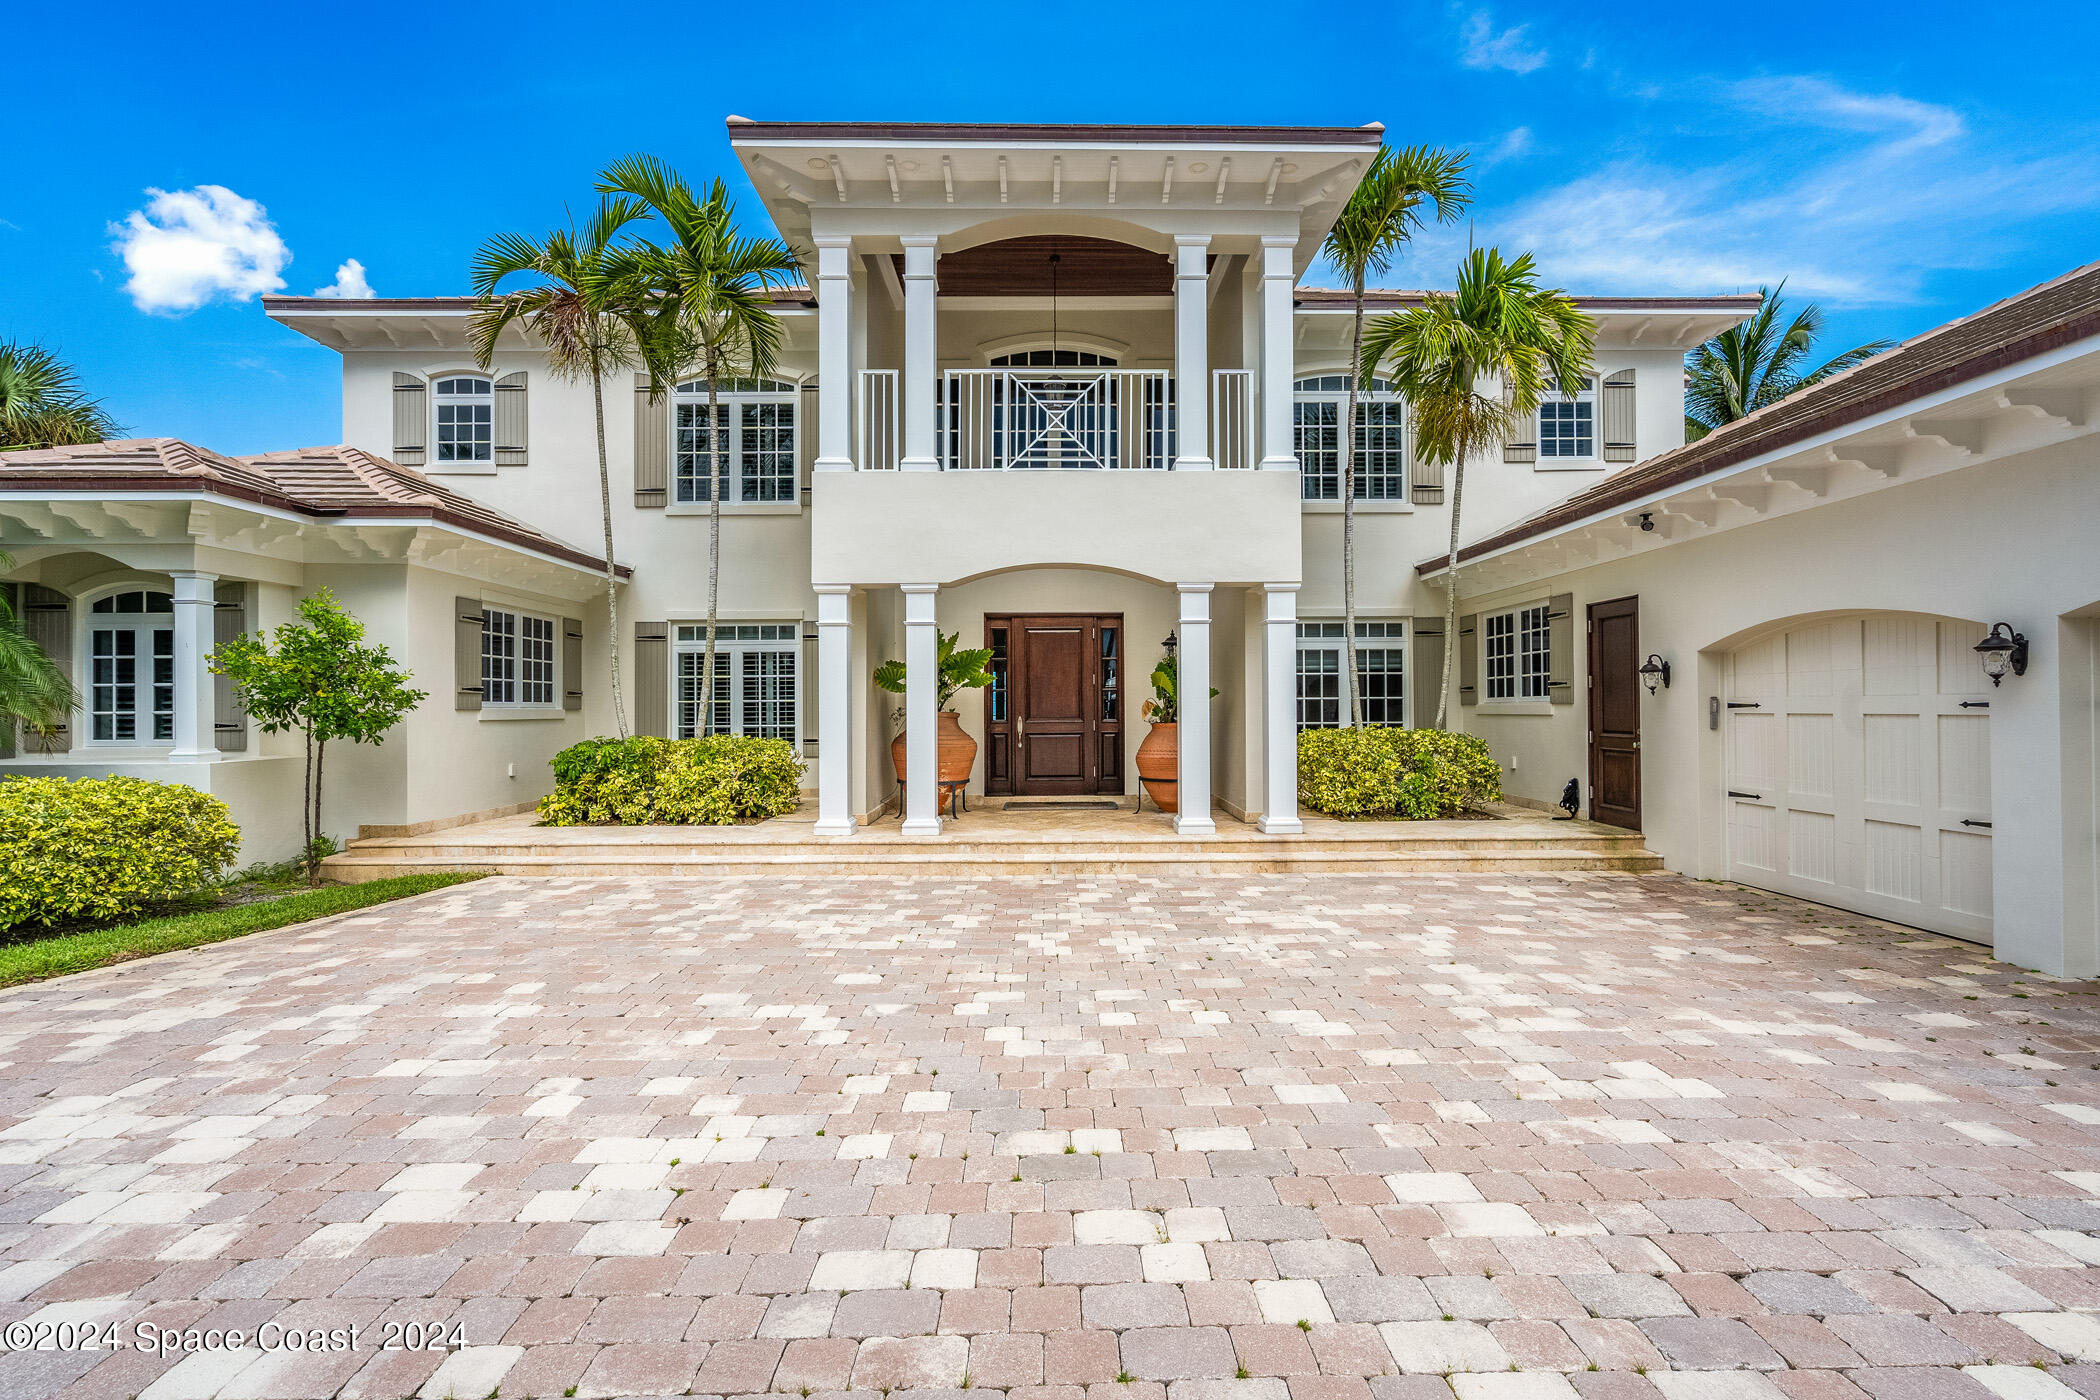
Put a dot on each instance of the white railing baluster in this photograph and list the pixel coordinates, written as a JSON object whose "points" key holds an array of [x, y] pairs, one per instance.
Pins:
{"points": [[880, 440], [1006, 419], [1232, 418]]}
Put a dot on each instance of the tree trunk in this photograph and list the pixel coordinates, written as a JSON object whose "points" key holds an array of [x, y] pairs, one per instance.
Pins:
{"points": [[1352, 694], [306, 811], [612, 577], [1451, 638], [718, 443]]}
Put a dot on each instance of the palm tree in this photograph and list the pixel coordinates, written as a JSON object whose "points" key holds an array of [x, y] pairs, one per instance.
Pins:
{"points": [[1379, 219], [1746, 367], [34, 690], [42, 403], [575, 307], [1500, 329], [700, 302]]}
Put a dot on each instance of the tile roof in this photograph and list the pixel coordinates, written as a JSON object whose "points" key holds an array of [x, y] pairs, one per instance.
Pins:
{"points": [[1387, 298], [2030, 323], [743, 129], [321, 482]]}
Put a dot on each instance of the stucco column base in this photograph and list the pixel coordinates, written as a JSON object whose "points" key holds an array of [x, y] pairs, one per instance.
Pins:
{"points": [[196, 739], [1193, 775], [922, 761], [834, 711]]}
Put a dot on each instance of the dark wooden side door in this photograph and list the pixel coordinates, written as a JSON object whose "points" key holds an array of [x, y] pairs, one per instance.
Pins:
{"points": [[1057, 727], [1615, 712]]}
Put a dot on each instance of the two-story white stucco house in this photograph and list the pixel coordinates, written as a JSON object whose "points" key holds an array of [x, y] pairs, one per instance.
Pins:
{"points": [[1060, 390]]}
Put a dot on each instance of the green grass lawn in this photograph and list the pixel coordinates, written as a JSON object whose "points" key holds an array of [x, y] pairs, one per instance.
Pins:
{"points": [[32, 958]]}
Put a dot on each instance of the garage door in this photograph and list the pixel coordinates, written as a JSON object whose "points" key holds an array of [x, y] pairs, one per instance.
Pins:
{"points": [[1858, 761]]}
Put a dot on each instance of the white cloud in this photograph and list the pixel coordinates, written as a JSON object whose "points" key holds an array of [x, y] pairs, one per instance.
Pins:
{"points": [[349, 284], [1514, 144], [1483, 47], [190, 247]]}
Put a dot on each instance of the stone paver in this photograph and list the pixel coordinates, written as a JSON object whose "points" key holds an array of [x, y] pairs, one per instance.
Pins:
{"points": [[1223, 1138]]}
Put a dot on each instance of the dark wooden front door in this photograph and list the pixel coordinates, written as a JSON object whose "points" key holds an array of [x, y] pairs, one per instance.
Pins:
{"points": [[1615, 712], [1054, 715]]}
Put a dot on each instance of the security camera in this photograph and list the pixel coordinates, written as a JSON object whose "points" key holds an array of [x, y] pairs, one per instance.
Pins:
{"points": [[1647, 522]]}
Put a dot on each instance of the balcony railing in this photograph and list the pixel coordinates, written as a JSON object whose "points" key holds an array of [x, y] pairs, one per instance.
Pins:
{"points": [[1004, 419]]}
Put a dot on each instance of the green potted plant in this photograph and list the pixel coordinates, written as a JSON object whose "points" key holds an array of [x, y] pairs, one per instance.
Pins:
{"points": [[957, 671], [1159, 757]]}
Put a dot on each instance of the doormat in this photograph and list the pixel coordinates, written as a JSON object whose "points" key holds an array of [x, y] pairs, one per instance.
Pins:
{"points": [[1094, 805]]}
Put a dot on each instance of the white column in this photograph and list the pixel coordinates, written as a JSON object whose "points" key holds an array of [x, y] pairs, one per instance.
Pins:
{"points": [[834, 355], [195, 597], [922, 355], [1192, 352], [1192, 778], [1279, 452], [922, 762], [1279, 719], [835, 680]]}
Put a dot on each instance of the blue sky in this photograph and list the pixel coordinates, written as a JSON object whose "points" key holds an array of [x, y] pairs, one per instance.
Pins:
{"points": [[1902, 164]]}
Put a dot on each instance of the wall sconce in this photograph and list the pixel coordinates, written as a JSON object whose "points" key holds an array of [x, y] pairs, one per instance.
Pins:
{"points": [[1655, 672], [2003, 650], [1648, 522]]}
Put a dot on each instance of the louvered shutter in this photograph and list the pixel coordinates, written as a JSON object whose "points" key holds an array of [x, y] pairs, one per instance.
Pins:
{"points": [[411, 419], [466, 653], [572, 663], [652, 447], [1468, 660], [510, 420], [229, 619], [1523, 445], [1618, 417], [1425, 657], [47, 616], [1427, 479], [805, 435], [652, 678], [1560, 648]]}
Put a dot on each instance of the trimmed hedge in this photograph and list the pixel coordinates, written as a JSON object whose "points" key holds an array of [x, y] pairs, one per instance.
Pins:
{"points": [[1412, 773], [78, 849], [721, 780]]}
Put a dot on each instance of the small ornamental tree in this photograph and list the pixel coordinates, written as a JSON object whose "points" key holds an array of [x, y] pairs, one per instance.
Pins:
{"points": [[317, 676]]}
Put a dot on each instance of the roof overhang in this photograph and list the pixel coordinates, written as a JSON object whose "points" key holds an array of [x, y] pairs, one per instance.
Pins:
{"points": [[1654, 323], [436, 323]]}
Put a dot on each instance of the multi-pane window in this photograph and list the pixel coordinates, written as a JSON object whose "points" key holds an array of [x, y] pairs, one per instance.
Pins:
{"points": [[1568, 421], [757, 675], [1518, 646], [1111, 675], [466, 419], [517, 658], [131, 668], [1381, 673], [1320, 404], [748, 451]]}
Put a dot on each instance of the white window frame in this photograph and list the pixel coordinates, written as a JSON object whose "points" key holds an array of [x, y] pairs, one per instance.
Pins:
{"points": [[142, 628], [738, 400], [1333, 389], [742, 650], [1583, 408], [1516, 655], [1320, 642], [530, 650], [483, 399]]}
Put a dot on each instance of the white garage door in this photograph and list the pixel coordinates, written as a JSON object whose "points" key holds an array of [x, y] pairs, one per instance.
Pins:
{"points": [[1859, 774]]}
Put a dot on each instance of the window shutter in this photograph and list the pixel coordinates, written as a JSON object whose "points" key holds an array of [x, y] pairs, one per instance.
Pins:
{"points": [[1428, 481], [47, 616], [411, 419], [652, 447], [466, 653], [1426, 655], [1468, 660], [229, 619], [510, 420], [1618, 417], [572, 663], [805, 435], [1524, 446], [652, 679], [1560, 648]]}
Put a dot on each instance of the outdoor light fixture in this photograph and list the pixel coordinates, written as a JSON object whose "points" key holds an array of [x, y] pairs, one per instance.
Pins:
{"points": [[1170, 643], [1655, 672], [2004, 650], [1647, 522]]}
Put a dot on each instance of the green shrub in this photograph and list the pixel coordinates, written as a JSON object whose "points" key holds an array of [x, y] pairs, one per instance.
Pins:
{"points": [[1412, 773], [81, 849], [717, 781]]}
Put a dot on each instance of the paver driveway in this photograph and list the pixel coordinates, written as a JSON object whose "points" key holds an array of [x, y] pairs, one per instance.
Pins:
{"points": [[1084, 1139]]}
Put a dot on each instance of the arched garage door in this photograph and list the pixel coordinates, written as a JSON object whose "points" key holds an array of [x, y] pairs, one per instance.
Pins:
{"points": [[1858, 769]]}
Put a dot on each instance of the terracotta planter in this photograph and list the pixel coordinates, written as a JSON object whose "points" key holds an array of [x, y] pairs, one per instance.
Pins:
{"points": [[958, 751], [1159, 766]]}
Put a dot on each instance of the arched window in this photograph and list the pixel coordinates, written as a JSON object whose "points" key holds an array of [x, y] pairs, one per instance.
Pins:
{"points": [[1052, 359], [466, 419], [752, 444], [131, 667], [1320, 403]]}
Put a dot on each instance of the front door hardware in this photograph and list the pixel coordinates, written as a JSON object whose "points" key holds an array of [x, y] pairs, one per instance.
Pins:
{"points": [[1967, 822], [1745, 705], [1975, 704], [1754, 797]]}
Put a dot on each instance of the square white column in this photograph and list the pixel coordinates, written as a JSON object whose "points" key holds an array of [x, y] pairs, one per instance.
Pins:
{"points": [[834, 355], [835, 681], [1192, 776], [195, 738], [922, 355], [1279, 718], [922, 758], [1192, 352], [1279, 452]]}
